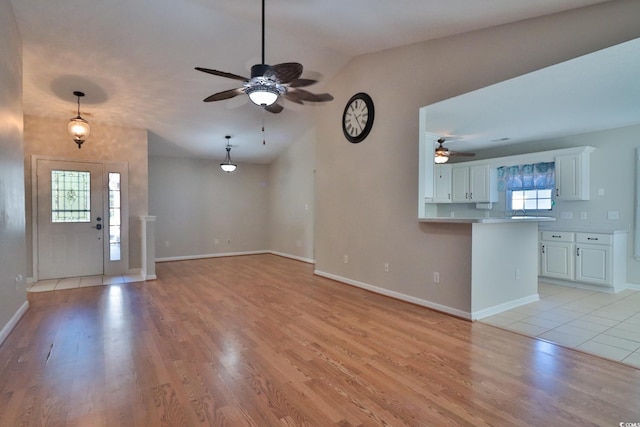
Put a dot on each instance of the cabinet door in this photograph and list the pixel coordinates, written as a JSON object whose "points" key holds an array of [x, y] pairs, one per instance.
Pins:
{"points": [[460, 184], [557, 260], [479, 183], [442, 182], [572, 177], [593, 264]]}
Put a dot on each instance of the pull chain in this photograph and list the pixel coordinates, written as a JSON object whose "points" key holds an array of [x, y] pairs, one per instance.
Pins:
{"points": [[264, 142]]}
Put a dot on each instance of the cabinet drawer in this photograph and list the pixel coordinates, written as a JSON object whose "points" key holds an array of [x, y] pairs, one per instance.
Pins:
{"points": [[593, 238], [557, 236]]}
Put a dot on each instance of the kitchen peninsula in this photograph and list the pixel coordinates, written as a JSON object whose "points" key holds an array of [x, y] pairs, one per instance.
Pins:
{"points": [[504, 261]]}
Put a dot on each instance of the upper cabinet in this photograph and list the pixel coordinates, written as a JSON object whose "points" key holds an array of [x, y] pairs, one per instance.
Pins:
{"points": [[442, 184], [474, 184], [572, 175]]}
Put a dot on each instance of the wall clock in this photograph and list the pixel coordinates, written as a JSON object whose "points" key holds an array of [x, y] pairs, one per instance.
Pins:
{"points": [[357, 119]]}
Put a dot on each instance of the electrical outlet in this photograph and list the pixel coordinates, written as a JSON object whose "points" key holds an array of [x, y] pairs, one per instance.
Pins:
{"points": [[346, 259], [583, 215], [566, 215], [613, 215], [298, 243], [166, 243], [386, 267], [436, 277], [517, 274], [216, 241]]}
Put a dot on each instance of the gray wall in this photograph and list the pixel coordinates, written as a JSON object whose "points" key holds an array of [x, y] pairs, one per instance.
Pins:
{"points": [[203, 211], [12, 215]]}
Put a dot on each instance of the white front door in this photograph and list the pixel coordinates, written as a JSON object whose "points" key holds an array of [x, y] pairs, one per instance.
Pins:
{"points": [[70, 216]]}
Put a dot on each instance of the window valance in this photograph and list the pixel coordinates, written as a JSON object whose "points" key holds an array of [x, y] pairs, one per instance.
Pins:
{"points": [[534, 176]]}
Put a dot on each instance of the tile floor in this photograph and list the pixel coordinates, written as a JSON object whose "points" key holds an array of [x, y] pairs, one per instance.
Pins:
{"points": [[82, 282], [607, 325]]}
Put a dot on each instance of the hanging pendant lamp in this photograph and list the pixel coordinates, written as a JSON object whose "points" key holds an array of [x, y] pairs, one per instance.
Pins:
{"points": [[227, 166], [78, 127]]}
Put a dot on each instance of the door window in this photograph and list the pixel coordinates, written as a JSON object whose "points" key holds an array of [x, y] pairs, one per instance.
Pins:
{"points": [[70, 196]]}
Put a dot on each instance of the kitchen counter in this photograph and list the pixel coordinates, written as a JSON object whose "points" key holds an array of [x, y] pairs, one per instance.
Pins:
{"points": [[489, 220]]}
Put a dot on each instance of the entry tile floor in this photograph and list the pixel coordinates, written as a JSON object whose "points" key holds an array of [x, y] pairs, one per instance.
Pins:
{"points": [[82, 282], [607, 325]]}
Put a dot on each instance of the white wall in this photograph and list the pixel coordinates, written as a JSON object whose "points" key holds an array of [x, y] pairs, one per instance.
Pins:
{"points": [[203, 211], [366, 194], [13, 259]]}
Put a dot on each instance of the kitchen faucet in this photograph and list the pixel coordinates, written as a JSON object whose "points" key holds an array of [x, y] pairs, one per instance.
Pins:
{"points": [[516, 211]]}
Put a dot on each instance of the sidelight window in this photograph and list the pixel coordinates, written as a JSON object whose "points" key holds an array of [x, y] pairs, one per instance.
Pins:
{"points": [[115, 217]]}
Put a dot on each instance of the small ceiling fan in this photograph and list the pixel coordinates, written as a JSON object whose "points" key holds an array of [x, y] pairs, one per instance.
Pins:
{"points": [[268, 82], [442, 153]]}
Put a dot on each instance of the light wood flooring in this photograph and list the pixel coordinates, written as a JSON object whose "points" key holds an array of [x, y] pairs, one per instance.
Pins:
{"points": [[261, 341]]}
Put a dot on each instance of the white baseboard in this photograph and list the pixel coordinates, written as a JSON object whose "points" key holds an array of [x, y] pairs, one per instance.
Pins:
{"points": [[297, 258], [397, 295], [633, 287], [496, 309], [203, 256], [6, 330]]}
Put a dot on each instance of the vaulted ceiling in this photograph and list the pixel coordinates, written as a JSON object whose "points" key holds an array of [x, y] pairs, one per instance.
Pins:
{"points": [[135, 59]]}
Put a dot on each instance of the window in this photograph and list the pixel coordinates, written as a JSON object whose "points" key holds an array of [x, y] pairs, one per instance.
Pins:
{"points": [[70, 196], [530, 200], [528, 187], [115, 224]]}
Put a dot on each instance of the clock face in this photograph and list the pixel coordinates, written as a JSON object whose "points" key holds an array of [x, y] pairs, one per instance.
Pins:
{"points": [[357, 119]]}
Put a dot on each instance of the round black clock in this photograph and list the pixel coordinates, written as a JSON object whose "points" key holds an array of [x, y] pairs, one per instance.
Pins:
{"points": [[357, 119]]}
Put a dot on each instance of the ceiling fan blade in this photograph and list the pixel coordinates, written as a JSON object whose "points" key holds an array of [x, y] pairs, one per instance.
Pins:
{"points": [[291, 96], [304, 95], [224, 95], [461, 153], [274, 108], [285, 72], [302, 82], [222, 74]]}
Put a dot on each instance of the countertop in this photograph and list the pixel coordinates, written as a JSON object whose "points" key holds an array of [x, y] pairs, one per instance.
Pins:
{"points": [[489, 220]]}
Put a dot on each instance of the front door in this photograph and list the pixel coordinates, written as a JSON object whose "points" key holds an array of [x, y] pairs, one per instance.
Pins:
{"points": [[70, 219]]}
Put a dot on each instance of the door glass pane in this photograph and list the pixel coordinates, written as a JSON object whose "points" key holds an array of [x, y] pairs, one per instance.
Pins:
{"points": [[115, 227], [70, 196]]}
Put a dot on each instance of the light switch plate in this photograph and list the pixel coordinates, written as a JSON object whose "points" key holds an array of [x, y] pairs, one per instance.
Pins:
{"points": [[566, 215], [613, 215]]}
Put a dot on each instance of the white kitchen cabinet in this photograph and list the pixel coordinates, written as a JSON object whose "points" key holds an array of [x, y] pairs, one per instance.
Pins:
{"points": [[557, 255], [474, 184], [593, 258], [460, 184], [597, 259], [572, 176], [442, 184]]}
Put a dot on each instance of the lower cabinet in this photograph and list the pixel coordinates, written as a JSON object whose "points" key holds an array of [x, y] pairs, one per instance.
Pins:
{"points": [[591, 258]]}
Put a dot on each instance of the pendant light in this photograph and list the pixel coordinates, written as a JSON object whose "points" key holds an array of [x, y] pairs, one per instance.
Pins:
{"points": [[227, 166], [78, 127]]}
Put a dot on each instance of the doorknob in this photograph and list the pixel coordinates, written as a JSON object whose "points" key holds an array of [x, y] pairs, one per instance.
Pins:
{"points": [[98, 226]]}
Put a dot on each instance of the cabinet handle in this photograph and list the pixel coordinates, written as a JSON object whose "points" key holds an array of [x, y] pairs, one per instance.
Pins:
{"points": [[592, 238], [542, 248], [557, 192], [470, 196], [577, 251], [449, 196], [556, 236], [466, 195]]}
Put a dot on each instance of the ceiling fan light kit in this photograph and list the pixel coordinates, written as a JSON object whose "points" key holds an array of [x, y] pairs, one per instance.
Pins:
{"points": [[78, 127]]}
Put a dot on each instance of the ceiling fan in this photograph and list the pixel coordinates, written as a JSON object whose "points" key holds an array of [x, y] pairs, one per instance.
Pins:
{"points": [[442, 153], [268, 83]]}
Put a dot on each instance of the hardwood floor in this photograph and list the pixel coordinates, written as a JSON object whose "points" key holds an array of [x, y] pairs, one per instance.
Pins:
{"points": [[260, 341]]}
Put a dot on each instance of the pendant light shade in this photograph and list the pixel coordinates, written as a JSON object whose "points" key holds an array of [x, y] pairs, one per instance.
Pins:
{"points": [[439, 158], [227, 166], [78, 127]]}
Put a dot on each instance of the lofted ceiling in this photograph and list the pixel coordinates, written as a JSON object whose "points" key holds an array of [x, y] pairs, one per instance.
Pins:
{"points": [[135, 59]]}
